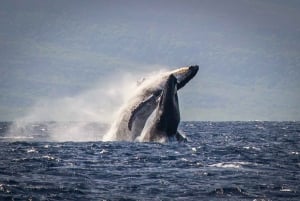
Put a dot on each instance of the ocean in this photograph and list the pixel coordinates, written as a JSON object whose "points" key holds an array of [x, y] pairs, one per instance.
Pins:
{"points": [[252, 160]]}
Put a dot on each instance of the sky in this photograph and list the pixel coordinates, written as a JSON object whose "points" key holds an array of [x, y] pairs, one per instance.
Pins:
{"points": [[67, 60]]}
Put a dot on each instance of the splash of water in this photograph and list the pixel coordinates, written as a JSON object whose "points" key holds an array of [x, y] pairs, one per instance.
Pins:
{"points": [[99, 104], [84, 117]]}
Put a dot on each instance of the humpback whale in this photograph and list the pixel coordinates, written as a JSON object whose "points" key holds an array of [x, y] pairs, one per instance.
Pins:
{"points": [[164, 120], [134, 114]]}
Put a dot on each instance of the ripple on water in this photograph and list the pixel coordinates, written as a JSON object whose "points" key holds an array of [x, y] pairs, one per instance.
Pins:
{"points": [[230, 160]]}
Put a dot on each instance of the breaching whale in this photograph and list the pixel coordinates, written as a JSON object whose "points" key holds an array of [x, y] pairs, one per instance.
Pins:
{"points": [[163, 122], [134, 114]]}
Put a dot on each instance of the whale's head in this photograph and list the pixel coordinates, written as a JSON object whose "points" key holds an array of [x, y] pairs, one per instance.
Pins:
{"points": [[184, 75]]}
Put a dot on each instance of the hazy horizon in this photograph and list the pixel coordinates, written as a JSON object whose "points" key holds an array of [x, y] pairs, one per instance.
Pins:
{"points": [[76, 61]]}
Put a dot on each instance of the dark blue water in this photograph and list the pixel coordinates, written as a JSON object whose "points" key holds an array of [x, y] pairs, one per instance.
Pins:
{"points": [[221, 161]]}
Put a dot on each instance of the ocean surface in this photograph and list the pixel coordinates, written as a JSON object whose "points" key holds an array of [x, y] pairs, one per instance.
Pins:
{"points": [[221, 161]]}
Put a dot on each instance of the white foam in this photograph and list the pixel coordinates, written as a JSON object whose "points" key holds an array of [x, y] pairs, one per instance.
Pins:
{"points": [[32, 150], [234, 165]]}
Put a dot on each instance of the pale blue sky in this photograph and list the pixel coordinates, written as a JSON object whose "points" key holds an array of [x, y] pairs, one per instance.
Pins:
{"points": [[248, 53]]}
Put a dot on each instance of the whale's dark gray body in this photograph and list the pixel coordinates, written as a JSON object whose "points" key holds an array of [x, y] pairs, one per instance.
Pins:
{"points": [[134, 114], [163, 122]]}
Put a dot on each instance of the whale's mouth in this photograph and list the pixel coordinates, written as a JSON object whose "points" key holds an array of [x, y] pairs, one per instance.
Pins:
{"points": [[185, 74]]}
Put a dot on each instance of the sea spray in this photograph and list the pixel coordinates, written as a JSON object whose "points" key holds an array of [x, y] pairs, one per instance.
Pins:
{"points": [[87, 116], [74, 115]]}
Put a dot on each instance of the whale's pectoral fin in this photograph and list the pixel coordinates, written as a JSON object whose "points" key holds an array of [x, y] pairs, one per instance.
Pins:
{"points": [[137, 109], [180, 137]]}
